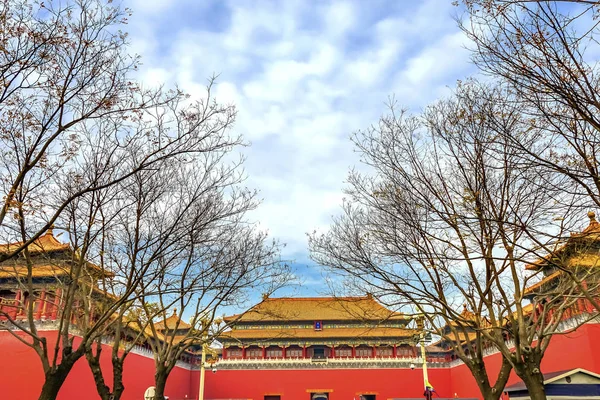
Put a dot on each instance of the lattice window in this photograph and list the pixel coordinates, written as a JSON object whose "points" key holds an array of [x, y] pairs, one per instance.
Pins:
{"points": [[234, 353], [254, 353], [343, 352], [274, 353], [364, 352], [404, 352], [294, 352], [384, 352]]}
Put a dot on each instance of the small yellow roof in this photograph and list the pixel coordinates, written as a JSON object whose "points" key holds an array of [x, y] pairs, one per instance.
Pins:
{"points": [[318, 309], [545, 280], [44, 244], [172, 322], [37, 271], [587, 257]]}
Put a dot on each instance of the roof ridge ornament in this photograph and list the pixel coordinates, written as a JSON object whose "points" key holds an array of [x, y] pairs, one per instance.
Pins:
{"points": [[592, 216], [50, 231]]}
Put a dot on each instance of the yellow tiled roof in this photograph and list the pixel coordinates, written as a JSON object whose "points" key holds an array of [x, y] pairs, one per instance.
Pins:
{"points": [[317, 309], [37, 271], [580, 259], [542, 282], [172, 322], [462, 337], [466, 315], [307, 333], [47, 270], [44, 244]]}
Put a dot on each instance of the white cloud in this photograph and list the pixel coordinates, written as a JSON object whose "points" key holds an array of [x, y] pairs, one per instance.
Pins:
{"points": [[303, 77]]}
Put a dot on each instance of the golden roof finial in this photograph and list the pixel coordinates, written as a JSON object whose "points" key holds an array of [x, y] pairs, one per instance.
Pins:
{"points": [[592, 216], [175, 312], [50, 230]]}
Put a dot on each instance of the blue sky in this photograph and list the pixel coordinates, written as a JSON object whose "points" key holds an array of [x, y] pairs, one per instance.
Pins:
{"points": [[304, 75]]}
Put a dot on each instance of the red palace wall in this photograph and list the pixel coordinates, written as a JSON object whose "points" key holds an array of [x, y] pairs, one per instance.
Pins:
{"points": [[21, 375], [343, 384], [580, 349]]}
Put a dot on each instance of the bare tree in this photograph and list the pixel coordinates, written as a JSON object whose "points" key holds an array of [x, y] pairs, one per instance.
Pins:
{"points": [[67, 97], [449, 217], [543, 51], [225, 263], [186, 237], [540, 50], [78, 134], [96, 284]]}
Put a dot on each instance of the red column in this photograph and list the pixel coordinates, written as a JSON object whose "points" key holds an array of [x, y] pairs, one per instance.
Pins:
{"points": [[394, 352], [41, 305], [332, 351], [353, 351], [243, 352], [17, 306], [283, 351], [304, 351], [18, 303], [224, 355], [75, 307], [374, 352], [56, 304], [264, 352]]}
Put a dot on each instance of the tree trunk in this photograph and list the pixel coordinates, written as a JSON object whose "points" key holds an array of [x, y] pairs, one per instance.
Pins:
{"points": [[489, 392], [55, 378], [94, 364], [160, 381], [118, 386], [529, 371], [103, 390], [535, 385]]}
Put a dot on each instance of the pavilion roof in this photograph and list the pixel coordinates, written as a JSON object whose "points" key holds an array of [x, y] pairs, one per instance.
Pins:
{"points": [[546, 280], [37, 271], [172, 322], [309, 333], [46, 243], [318, 309], [467, 318], [568, 255]]}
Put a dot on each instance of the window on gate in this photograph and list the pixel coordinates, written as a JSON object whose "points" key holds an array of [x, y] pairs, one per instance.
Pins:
{"points": [[343, 352], [294, 352], [274, 353], [384, 352], [404, 352], [234, 353], [363, 352], [254, 353]]}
